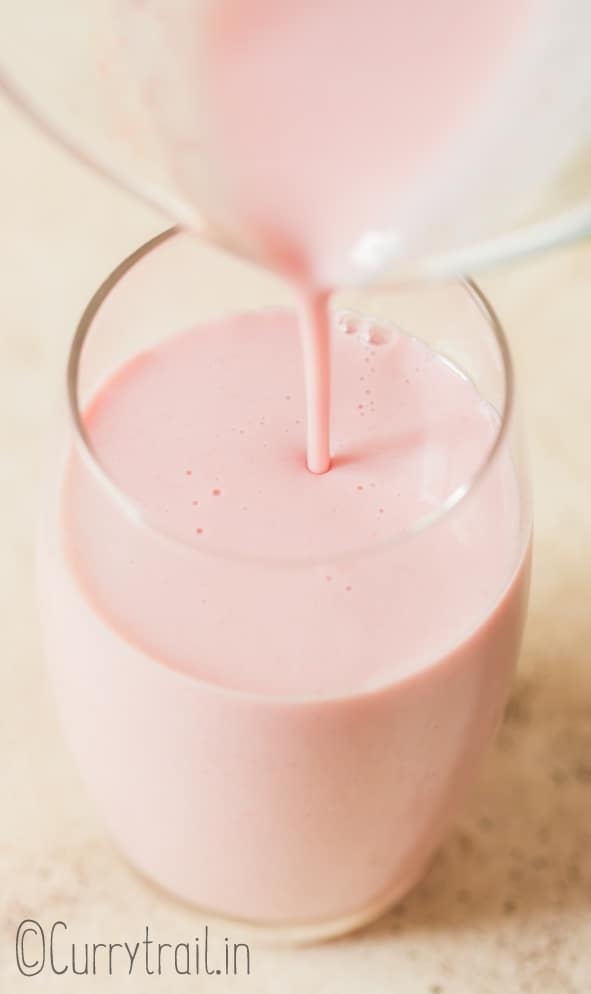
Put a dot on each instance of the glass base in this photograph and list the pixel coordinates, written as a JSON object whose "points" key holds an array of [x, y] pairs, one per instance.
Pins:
{"points": [[299, 933]]}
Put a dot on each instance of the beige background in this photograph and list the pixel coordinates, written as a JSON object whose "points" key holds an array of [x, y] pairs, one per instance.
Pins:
{"points": [[506, 907]]}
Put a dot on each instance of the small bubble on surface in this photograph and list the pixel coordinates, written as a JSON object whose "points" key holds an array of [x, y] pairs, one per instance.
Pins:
{"points": [[347, 323]]}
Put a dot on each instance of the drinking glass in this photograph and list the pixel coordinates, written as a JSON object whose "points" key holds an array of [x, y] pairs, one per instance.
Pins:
{"points": [[304, 815]]}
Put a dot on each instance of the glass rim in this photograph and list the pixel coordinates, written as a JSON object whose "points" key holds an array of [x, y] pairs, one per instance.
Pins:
{"points": [[141, 518]]}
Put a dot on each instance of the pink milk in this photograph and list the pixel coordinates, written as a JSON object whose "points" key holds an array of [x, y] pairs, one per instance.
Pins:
{"points": [[318, 131], [276, 690]]}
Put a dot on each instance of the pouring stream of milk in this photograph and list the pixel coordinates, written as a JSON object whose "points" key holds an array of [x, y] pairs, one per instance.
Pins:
{"points": [[335, 129]]}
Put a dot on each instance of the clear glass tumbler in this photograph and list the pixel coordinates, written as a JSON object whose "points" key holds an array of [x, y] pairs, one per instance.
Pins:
{"points": [[306, 815]]}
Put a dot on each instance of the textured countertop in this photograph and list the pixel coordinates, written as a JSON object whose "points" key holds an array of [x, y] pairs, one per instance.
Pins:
{"points": [[506, 907]]}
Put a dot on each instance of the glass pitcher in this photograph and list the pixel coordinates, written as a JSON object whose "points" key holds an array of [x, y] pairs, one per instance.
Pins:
{"points": [[511, 179]]}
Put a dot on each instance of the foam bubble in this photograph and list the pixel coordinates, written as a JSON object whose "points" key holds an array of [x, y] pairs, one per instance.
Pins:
{"points": [[376, 334], [347, 323]]}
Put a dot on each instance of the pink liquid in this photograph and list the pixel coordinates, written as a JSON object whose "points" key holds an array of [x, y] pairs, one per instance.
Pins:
{"points": [[333, 121], [281, 734], [206, 435]]}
